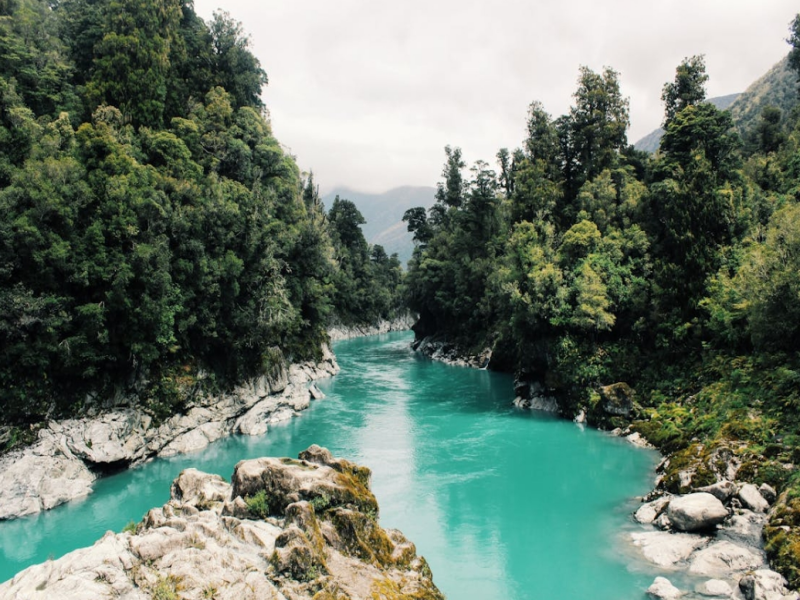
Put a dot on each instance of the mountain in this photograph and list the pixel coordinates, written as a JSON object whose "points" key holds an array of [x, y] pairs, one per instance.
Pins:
{"points": [[651, 141], [778, 87], [384, 215]]}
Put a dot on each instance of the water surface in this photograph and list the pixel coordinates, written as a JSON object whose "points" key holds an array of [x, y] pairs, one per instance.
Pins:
{"points": [[505, 504]]}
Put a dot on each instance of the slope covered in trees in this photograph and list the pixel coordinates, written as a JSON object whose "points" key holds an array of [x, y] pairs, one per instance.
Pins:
{"points": [[151, 226], [582, 263]]}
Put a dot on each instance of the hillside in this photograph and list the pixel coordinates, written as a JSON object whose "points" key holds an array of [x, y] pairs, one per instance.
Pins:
{"points": [[650, 142], [778, 87], [384, 215]]}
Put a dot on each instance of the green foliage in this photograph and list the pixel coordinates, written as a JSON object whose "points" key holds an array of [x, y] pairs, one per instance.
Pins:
{"points": [[155, 226], [688, 88], [368, 282], [258, 504], [130, 527]]}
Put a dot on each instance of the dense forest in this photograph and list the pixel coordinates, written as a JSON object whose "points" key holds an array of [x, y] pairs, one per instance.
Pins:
{"points": [[151, 226], [584, 263]]}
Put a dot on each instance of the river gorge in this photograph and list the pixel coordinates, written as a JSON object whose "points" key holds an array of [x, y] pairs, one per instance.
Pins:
{"points": [[503, 503]]}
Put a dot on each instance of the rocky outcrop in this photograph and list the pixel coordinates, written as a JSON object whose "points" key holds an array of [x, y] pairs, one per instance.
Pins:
{"points": [[69, 456], [533, 395], [303, 529], [451, 354], [338, 331]]}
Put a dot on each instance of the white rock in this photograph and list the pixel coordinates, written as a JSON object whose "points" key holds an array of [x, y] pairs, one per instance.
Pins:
{"points": [[666, 549], [715, 588], [696, 512], [722, 490], [722, 559], [662, 589], [637, 440], [765, 584], [649, 512], [752, 498], [744, 528]]}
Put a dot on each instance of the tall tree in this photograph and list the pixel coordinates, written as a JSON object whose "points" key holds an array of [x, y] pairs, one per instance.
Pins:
{"points": [[688, 89]]}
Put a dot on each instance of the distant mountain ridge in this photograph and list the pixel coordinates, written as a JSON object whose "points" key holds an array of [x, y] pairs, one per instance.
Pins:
{"points": [[651, 141], [384, 214], [778, 87]]}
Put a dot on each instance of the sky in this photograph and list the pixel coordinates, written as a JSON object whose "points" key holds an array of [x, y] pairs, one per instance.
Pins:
{"points": [[367, 93]]}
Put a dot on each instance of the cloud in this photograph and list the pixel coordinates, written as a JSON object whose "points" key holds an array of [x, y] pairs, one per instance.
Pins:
{"points": [[368, 93]]}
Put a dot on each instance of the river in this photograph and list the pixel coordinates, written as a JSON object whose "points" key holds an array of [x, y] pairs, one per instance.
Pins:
{"points": [[505, 504]]}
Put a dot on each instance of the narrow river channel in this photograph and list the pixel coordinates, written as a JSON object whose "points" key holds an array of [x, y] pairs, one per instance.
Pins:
{"points": [[505, 504]]}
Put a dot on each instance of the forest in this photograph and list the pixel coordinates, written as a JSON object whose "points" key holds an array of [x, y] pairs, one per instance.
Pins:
{"points": [[582, 262], [151, 226]]}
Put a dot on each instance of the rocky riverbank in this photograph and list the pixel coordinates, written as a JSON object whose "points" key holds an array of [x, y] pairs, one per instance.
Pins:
{"points": [[711, 543], [451, 354], [282, 529], [70, 455], [338, 331]]}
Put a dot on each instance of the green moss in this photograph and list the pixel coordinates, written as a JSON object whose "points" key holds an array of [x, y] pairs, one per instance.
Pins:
{"points": [[782, 536], [258, 504], [362, 537]]}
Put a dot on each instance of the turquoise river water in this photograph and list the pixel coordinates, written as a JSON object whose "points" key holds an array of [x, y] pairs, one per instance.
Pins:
{"points": [[505, 504]]}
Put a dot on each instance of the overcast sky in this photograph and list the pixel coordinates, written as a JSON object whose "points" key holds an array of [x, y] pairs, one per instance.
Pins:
{"points": [[367, 93]]}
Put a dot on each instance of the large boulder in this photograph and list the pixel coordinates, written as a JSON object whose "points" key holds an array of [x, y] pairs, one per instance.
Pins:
{"points": [[617, 399], [696, 512], [285, 481]]}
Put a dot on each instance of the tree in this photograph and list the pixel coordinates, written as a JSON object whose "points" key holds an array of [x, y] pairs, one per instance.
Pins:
{"points": [[450, 193], [688, 88], [418, 225], [132, 60], [598, 122]]}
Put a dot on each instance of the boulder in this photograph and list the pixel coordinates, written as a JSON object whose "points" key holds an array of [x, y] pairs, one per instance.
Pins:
{"points": [[752, 498], [723, 559], [696, 512], [199, 489], [667, 549], [722, 490], [745, 528], [649, 512], [765, 584], [617, 399], [716, 588], [287, 481], [662, 589], [768, 492]]}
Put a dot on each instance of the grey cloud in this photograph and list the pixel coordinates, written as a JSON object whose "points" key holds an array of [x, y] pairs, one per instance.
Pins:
{"points": [[367, 93]]}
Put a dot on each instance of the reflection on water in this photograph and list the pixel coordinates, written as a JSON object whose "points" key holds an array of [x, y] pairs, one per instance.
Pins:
{"points": [[504, 504]]}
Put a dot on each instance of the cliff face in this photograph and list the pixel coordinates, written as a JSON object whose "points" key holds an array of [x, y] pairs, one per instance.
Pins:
{"points": [[283, 528], [69, 456]]}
